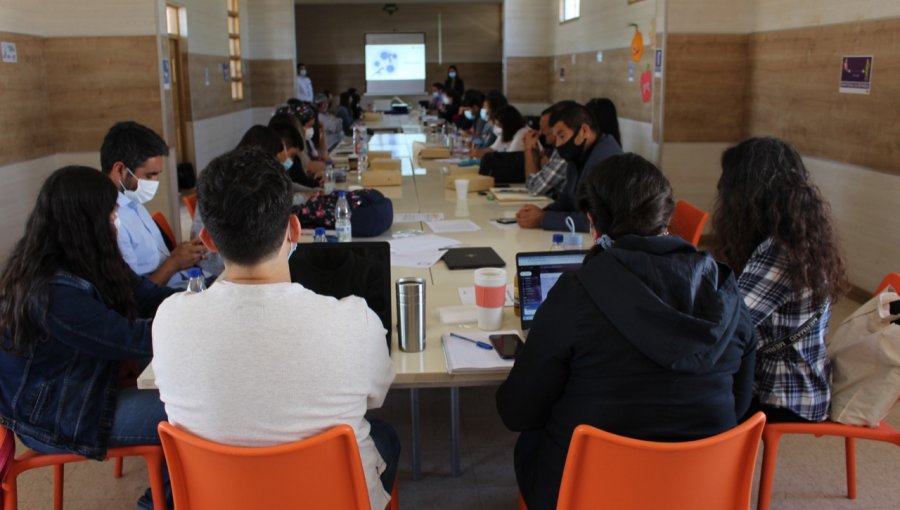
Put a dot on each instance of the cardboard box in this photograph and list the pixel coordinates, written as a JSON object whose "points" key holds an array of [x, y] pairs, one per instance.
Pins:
{"points": [[385, 164], [375, 178], [373, 155], [476, 182], [461, 170], [371, 116], [435, 153]]}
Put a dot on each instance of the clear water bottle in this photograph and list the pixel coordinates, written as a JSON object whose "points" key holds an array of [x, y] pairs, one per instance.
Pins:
{"points": [[330, 180], [342, 218], [196, 283], [363, 163], [557, 244], [319, 235]]}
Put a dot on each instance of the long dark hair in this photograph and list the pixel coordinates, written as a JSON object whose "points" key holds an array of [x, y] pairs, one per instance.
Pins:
{"points": [[604, 112], [765, 191], [510, 120], [68, 230], [626, 194]]}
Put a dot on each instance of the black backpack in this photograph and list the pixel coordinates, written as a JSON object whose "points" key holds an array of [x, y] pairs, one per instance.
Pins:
{"points": [[504, 167]]}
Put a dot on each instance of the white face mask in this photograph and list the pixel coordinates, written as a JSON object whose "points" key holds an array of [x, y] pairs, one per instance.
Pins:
{"points": [[146, 189], [497, 130], [484, 115], [309, 132], [303, 72]]}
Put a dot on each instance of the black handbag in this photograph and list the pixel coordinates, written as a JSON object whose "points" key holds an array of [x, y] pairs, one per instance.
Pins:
{"points": [[504, 167]]}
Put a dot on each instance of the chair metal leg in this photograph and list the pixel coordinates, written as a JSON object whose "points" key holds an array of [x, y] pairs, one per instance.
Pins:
{"points": [[850, 453], [767, 474], [58, 485]]}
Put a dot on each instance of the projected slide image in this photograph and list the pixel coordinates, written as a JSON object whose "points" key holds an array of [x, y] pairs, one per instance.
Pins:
{"points": [[395, 61]]}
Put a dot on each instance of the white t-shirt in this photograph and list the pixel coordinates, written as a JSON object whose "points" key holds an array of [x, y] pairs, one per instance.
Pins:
{"points": [[517, 143], [263, 365]]}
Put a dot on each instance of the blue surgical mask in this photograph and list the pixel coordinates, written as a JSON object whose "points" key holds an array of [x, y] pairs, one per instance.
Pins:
{"points": [[484, 115], [452, 74], [469, 115], [288, 163], [435, 95]]}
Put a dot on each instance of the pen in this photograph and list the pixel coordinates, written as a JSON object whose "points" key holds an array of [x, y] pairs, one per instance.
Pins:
{"points": [[483, 345]]}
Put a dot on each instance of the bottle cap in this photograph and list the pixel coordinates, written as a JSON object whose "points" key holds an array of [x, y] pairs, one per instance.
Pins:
{"points": [[320, 231], [194, 272], [557, 238], [342, 194]]}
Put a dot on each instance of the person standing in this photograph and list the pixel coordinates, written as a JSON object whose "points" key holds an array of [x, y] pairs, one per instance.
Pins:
{"points": [[454, 82], [303, 87]]}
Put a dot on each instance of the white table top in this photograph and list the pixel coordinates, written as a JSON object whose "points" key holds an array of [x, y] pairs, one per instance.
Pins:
{"points": [[423, 191]]}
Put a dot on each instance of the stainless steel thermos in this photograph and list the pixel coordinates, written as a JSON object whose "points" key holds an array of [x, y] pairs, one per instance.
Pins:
{"points": [[411, 314]]}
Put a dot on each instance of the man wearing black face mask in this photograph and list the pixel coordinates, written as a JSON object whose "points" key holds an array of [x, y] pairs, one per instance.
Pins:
{"points": [[583, 147], [545, 169]]}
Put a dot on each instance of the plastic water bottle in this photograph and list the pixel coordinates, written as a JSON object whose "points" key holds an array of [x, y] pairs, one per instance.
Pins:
{"points": [[363, 163], [330, 181], [195, 280], [319, 235], [557, 244], [342, 218]]}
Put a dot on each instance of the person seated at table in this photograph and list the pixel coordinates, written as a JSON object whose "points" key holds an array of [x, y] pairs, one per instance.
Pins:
{"points": [[357, 107], [470, 107], [72, 313], [437, 97], [649, 339], [509, 127], [449, 106], [313, 163], [583, 147], [493, 101], [289, 128], [331, 125], [344, 112], [545, 169], [604, 112], [270, 362], [781, 241], [132, 158]]}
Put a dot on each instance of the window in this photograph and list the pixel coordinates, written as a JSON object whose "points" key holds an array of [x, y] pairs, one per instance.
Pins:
{"points": [[172, 21], [569, 10], [235, 69]]}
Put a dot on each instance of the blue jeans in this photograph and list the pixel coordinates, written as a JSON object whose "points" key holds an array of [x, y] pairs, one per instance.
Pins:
{"points": [[388, 445], [138, 412]]}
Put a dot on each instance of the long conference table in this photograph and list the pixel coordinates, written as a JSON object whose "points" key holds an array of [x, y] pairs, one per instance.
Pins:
{"points": [[423, 191]]}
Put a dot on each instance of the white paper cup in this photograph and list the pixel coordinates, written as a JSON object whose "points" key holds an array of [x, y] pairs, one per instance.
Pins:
{"points": [[490, 295], [462, 188]]}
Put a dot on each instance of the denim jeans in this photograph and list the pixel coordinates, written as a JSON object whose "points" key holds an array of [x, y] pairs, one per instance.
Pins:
{"points": [[138, 412], [388, 445]]}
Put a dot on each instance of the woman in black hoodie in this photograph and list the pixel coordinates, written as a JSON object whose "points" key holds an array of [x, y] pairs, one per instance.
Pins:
{"points": [[650, 339]]}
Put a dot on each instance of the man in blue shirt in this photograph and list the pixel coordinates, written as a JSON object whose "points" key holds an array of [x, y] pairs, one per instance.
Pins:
{"points": [[132, 157], [583, 147]]}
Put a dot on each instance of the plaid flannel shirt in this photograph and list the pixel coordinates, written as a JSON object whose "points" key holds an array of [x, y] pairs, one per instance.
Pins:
{"points": [[798, 377], [550, 178]]}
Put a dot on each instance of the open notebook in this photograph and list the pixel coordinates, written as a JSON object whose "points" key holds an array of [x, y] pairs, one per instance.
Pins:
{"points": [[467, 358]]}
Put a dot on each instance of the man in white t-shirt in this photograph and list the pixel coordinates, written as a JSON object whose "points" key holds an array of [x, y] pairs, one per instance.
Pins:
{"points": [[256, 360]]}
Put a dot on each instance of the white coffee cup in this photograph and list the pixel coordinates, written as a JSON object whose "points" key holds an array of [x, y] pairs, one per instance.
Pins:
{"points": [[490, 295], [462, 188]]}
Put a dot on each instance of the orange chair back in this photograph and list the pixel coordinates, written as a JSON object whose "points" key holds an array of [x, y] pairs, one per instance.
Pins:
{"points": [[163, 223], [605, 470], [688, 222], [323, 471], [892, 279], [190, 201]]}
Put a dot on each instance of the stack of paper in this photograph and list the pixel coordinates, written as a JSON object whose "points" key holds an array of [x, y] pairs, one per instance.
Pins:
{"points": [[464, 357], [447, 226], [420, 251], [506, 195]]}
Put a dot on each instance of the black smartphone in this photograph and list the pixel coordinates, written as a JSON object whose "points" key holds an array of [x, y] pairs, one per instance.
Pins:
{"points": [[505, 221], [508, 345]]}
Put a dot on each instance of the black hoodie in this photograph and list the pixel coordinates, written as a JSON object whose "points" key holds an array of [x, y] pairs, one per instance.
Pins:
{"points": [[649, 339]]}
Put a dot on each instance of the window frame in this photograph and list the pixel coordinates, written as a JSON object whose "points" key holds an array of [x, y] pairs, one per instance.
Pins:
{"points": [[562, 11], [235, 64]]}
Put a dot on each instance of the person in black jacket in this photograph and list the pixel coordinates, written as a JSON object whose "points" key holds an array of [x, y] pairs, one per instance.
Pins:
{"points": [[454, 83], [649, 339]]}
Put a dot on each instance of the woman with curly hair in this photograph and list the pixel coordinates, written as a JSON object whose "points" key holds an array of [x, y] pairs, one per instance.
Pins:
{"points": [[774, 228]]}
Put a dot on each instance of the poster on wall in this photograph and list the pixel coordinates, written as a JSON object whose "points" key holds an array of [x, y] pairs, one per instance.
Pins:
{"points": [[10, 55], [166, 74], [631, 71], [856, 74], [657, 62]]}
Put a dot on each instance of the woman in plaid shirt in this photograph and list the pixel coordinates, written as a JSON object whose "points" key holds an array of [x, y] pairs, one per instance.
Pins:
{"points": [[774, 228]]}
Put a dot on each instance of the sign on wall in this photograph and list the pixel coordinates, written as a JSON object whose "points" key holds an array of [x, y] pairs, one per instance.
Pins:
{"points": [[658, 62], [166, 74], [856, 75], [10, 55]]}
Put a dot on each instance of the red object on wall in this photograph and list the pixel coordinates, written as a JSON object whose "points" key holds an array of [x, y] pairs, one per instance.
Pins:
{"points": [[646, 85]]}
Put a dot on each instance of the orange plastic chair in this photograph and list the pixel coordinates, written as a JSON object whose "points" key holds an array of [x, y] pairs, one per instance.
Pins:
{"points": [[190, 201], [605, 470], [30, 459], [163, 223], [773, 432], [323, 471], [687, 222]]}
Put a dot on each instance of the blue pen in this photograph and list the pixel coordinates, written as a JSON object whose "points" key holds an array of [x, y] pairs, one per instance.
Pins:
{"points": [[481, 344]]}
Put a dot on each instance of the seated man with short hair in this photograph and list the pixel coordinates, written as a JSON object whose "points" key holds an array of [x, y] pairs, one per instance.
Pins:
{"points": [[256, 360]]}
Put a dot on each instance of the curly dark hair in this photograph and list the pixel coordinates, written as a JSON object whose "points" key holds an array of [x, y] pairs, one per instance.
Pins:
{"points": [[68, 230], [764, 192]]}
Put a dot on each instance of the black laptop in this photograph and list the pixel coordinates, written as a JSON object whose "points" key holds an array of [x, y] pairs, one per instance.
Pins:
{"points": [[537, 273], [347, 269], [472, 258]]}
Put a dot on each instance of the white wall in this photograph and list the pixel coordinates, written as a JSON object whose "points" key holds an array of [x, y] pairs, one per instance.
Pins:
{"points": [[21, 17], [21, 183], [94, 18], [217, 135], [603, 24], [772, 15], [711, 16], [270, 30], [526, 32]]}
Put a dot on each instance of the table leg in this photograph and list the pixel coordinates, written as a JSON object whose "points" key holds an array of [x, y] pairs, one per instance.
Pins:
{"points": [[416, 433], [454, 431]]}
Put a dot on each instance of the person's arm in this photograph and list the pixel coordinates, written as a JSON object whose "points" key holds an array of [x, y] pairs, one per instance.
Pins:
{"points": [[764, 283], [185, 255], [549, 178], [539, 376], [532, 154], [87, 324], [742, 382], [381, 368], [149, 296]]}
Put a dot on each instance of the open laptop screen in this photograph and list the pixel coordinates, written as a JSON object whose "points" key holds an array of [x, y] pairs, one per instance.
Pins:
{"points": [[537, 272]]}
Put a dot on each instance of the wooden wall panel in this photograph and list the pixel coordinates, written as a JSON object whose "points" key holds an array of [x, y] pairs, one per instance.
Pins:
{"points": [[337, 78], [271, 81], [94, 82], [793, 92], [706, 87], [587, 79], [214, 99], [24, 109], [483, 76], [528, 79]]}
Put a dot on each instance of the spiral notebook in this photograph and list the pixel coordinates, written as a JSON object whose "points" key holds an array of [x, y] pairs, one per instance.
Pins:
{"points": [[464, 357]]}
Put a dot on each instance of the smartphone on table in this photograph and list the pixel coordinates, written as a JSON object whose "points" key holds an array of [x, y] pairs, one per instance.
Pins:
{"points": [[508, 345]]}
